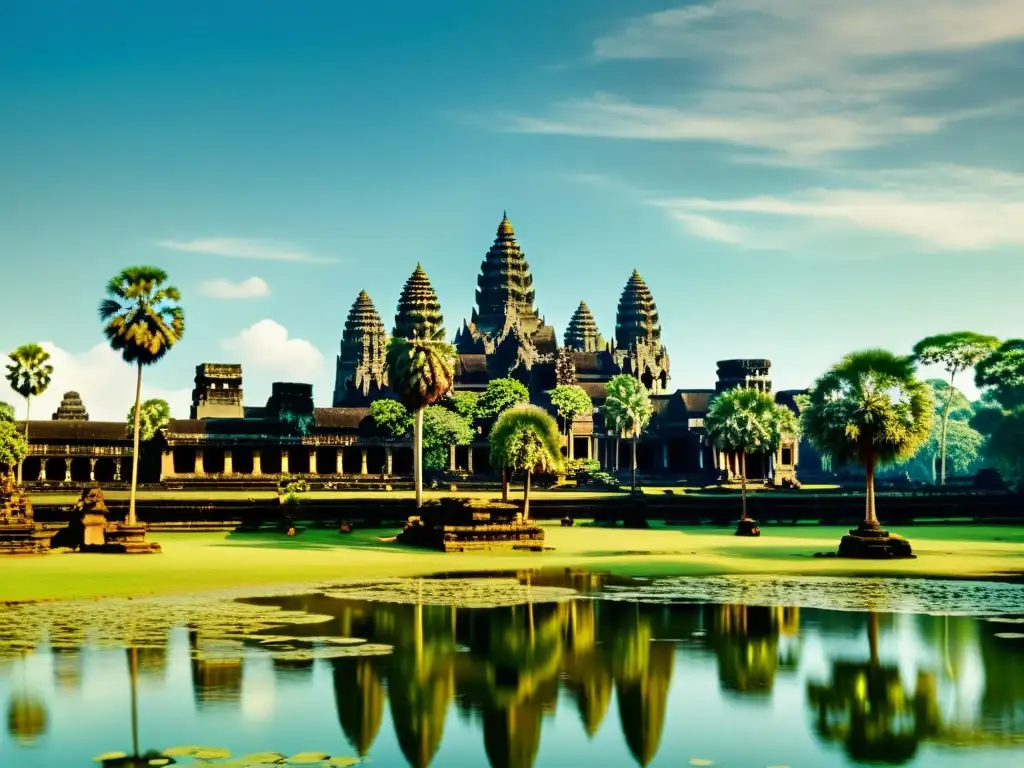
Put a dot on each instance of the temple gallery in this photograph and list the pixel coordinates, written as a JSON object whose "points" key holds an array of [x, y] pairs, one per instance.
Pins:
{"points": [[505, 336]]}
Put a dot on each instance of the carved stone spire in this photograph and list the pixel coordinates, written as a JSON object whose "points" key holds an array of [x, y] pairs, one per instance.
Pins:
{"points": [[419, 311], [637, 319], [504, 284], [71, 408], [581, 334], [360, 367]]}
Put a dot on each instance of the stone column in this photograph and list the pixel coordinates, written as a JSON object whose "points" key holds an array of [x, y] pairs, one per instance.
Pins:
{"points": [[67, 470], [340, 462], [42, 467], [198, 468], [388, 461], [312, 461], [229, 464], [362, 462], [664, 455], [451, 457], [592, 447], [257, 463], [469, 458], [166, 464], [92, 470], [700, 455], [117, 469], [284, 461]]}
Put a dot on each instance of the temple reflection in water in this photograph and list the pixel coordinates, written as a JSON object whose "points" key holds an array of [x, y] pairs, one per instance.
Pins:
{"points": [[519, 675]]}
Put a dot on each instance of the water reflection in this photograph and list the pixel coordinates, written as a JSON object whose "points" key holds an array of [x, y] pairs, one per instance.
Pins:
{"points": [[534, 684]]}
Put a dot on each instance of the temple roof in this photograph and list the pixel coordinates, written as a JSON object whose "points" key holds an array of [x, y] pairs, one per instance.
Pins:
{"points": [[361, 367], [581, 334], [340, 418], [419, 311], [77, 430], [637, 320], [363, 320], [504, 283], [71, 408]]}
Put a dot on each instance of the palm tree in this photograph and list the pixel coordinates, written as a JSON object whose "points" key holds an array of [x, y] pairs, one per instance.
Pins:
{"points": [[956, 352], [871, 409], [744, 420], [628, 404], [29, 375], [570, 400], [525, 438], [422, 372], [143, 321]]}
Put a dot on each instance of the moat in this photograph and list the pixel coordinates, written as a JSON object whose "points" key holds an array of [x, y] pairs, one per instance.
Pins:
{"points": [[531, 669]]}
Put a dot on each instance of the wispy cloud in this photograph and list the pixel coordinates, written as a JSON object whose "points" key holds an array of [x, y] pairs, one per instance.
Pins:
{"points": [[792, 78], [941, 208], [221, 288], [245, 248]]}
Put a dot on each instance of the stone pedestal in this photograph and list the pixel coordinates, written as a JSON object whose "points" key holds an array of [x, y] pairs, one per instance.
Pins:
{"points": [[869, 542], [747, 527], [19, 533], [129, 540]]}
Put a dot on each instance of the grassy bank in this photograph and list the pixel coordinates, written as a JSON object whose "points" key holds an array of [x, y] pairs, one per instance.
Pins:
{"points": [[199, 562]]}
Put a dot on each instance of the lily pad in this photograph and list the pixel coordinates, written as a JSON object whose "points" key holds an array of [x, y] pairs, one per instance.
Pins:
{"points": [[701, 761], [257, 759], [1010, 635], [199, 753], [341, 762], [106, 757], [308, 758]]}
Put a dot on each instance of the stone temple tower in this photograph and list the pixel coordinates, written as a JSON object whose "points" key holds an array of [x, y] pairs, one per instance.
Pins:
{"points": [[218, 392], [71, 408], [360, 374], [419, 311], [638, 348]]}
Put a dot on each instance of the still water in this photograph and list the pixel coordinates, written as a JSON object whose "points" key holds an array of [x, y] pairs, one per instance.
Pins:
{"points": [[535, 669]]}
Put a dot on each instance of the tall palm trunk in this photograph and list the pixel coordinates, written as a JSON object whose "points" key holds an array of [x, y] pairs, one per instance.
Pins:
{"points": [[526, 496], [942, 436], [28, 408], [618, 454], [870, 518], [133, 675], [873, 638], [504, 484], [417, 455], [135, 447], [743, 481], [570, 451], [634, 462]]}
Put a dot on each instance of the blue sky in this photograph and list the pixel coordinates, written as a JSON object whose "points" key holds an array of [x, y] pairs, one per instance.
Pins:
{"points": [[794, 180]]}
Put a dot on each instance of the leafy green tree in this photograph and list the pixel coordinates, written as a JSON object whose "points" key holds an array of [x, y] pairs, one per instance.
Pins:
{"points": [[525, 438], [871, 409], [500, 395], [6, 411], [142, 320], [1005, 446], [744, 420], [154, 416], [956, 352], [391, 417], [466, 404], [963, 442], [570, 401], [442, 429], [29, 375], [1002, 373], [13, 446], [422, 372], [628, 407]]}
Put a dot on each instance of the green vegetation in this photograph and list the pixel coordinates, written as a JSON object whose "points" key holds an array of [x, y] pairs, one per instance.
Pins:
{"points": [[746, 420], [13, 446], [391, 417], [628, 409], [6, 411], [525, 439], [870, 409], [956, 352], [154, 415], [142, 320], [442, 428], [466, 404], [1001, 417], [570, 401], [29, 374], [500, 395]]}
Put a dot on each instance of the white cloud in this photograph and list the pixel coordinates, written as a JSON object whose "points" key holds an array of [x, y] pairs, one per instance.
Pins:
{"points": [[709, 228], [105, 383], [245, 248], [793, 78], [943, 207], [221, 288], [266, 346]]}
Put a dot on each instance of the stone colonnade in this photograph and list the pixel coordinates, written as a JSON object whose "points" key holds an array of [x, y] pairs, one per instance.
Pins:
{"points": [[61, 464], [282, 456]]}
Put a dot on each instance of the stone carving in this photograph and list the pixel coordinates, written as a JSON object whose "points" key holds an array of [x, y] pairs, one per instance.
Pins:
{"points": [[71, 408], [639, 351], [581, 335], [419, 311], [19, 533], [361, 374]]}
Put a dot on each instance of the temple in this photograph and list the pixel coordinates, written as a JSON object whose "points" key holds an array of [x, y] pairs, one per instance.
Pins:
{"points": [[505, 336]]}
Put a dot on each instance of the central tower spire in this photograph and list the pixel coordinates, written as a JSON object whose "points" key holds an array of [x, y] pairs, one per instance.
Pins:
{"points": [[505, 285]]}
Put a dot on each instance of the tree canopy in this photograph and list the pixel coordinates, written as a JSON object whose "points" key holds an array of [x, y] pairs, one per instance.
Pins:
{"points": [[570, 401], [747, 420], [955, 352], [420, 371], [142, 317], [628, 404], [13, 446], [466, 404], [526, 438], [153, 416], [1002, 373], [29, 371], [869, 408], [391, 417], [443, 428], [6, 411], [500, 395]]}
